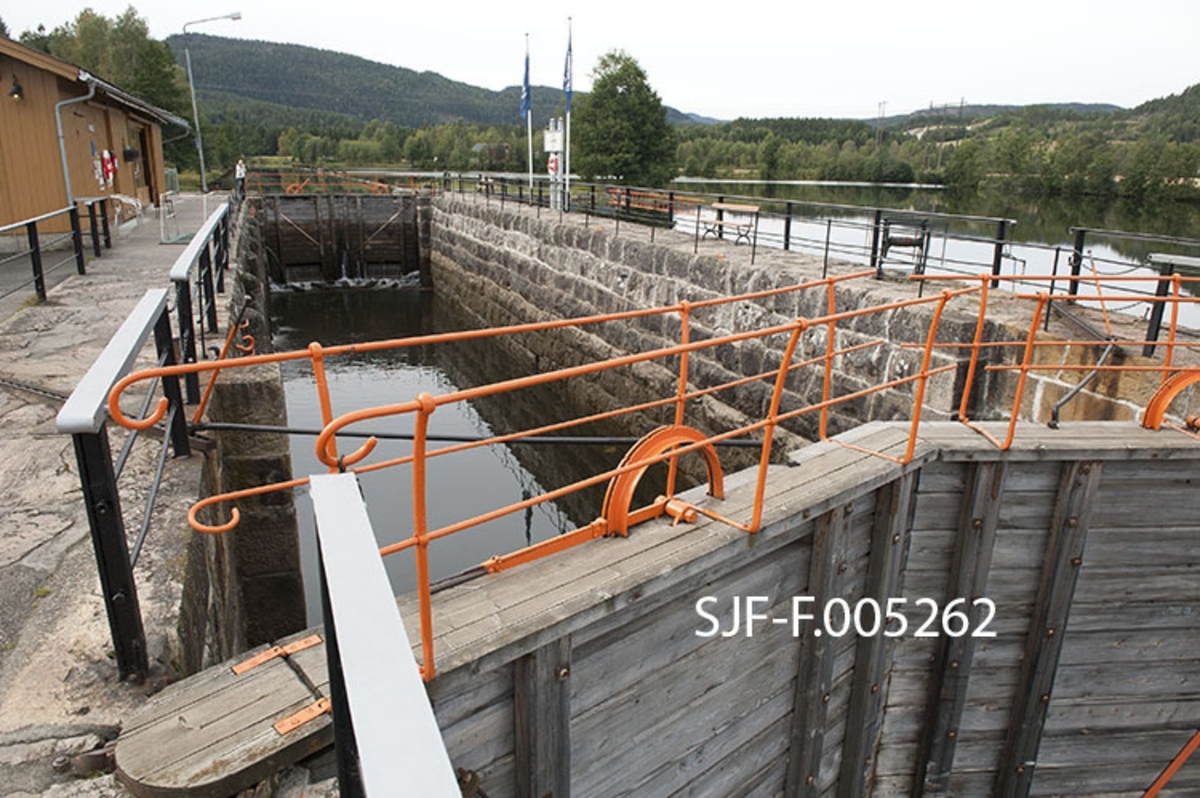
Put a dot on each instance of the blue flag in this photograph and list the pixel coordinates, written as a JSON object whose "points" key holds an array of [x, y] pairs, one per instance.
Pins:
{"points": [[567, 70], [525, 97]]}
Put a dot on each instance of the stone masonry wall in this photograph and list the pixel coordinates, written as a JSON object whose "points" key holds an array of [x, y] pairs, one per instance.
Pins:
{"points": [[245, 587], [512, 268]]}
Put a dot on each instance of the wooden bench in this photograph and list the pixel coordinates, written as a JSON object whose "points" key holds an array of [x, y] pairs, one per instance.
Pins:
{"points": [[743, 230]]}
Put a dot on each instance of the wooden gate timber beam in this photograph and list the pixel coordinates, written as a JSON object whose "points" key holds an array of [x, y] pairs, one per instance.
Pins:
{"points": [[968, 580], [1047, 627], [890, 536], [542, 714], [814, 673]]}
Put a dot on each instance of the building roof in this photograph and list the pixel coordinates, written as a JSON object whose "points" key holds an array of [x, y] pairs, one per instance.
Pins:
{"points": [[48, 63]]}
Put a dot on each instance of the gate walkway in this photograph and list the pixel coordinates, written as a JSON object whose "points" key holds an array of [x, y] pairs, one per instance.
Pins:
{"points": [[59, 692]]}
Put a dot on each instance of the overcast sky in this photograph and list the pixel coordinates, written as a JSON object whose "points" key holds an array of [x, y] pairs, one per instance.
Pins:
{"points": [[728, 59]]}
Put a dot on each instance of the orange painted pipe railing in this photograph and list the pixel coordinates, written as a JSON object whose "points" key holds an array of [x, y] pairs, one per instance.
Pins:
{"points": [[1175, 378], [665, 445]]}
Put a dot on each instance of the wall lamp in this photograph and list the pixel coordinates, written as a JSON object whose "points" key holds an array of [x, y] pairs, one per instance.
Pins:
{"points": [[16, 92]]}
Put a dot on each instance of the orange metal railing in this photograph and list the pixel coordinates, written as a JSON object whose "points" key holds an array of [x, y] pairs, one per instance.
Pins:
{"points": [[1176, 377], [666, 444], [318, 181]]}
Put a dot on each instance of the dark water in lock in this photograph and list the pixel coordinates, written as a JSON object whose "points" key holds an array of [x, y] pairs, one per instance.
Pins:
{"points": [[460, 485]]}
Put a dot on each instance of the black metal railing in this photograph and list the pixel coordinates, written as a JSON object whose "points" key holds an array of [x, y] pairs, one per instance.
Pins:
{"points": [[37, 250], [893, 239], [84, 418], [197, 276]]}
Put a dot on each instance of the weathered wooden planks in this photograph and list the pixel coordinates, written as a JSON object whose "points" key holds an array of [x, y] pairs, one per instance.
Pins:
{"points": [[212, 735]]}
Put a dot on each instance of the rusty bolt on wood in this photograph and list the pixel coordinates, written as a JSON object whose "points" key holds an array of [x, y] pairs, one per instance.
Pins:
{"points": [[1078, 561], [564, 672], [977, 524]]}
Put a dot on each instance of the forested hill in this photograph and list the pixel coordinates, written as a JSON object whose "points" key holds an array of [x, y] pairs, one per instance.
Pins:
{"points": [[234, 73]]}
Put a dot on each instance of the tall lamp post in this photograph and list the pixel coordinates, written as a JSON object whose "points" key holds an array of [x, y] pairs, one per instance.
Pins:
{"points": [[187, 55]]}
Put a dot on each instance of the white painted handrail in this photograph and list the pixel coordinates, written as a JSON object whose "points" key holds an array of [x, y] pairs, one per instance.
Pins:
{"points": [[85, 409], [187, 259], [400, 747]]}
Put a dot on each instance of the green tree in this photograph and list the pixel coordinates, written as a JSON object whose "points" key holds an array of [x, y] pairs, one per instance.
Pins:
{"points": [[118, 50], [621, 129]]}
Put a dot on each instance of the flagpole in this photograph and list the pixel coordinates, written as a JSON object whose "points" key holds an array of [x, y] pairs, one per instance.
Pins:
{"points": [[528, 108], [569, 86]]}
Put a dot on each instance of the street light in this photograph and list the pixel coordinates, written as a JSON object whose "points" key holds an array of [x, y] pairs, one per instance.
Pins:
{"points": [[187, 54]]}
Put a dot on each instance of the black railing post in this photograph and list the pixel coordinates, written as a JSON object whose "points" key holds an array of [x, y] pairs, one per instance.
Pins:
{"points": [[876, 261], [165, 346], [77, 240], [592, 192], [787, 228], [206, 284], [720, 218], [628, 203], [671, 209], [93, 229], [998, 252], [35, 257], [345, 743], [104, 224], [222, 253], [112, 553], [1076, 260], [187, 336], [1156, 311]]}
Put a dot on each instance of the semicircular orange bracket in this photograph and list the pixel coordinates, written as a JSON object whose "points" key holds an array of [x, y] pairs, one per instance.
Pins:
{"points": [[621, 488], [1156, 408]]}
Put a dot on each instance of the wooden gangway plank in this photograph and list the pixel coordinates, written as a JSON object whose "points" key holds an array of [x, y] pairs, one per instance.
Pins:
{"points": [[213, 734]]}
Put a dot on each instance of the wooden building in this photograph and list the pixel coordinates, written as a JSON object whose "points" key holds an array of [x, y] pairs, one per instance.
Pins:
{"points": [[52, 113]]}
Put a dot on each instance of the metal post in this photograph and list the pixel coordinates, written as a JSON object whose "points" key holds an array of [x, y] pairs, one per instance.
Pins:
{"points": [[720, 218], [206, 284], [828, 234], [1156, 311], [165, 346], [998, 252], [671, 209], [104, 225], [1053, 278], [1077, 260], [592, 192], [91, 206], [876, 261], [35, 257], [345, 744], [222, 253], [787, 232], [187, 336], [77, 240], [103, 504]]}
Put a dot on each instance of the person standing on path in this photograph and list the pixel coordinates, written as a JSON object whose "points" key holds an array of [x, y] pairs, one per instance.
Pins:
{"points": [[240, 174]]}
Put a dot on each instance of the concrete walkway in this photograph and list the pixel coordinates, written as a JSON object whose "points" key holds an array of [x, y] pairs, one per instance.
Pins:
{"points": [[59, 694]]}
